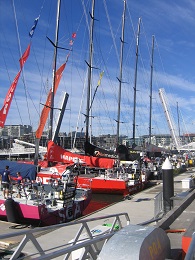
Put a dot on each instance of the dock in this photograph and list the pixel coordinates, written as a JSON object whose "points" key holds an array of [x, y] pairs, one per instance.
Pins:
{"points": [[140, 209]]}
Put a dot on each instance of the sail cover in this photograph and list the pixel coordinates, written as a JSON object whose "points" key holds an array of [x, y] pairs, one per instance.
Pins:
{"points": [[56, 153], [28, 171]]}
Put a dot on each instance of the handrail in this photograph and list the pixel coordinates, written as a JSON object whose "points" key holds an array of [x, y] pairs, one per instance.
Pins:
{"points": [[89, 241], [158, 205]]}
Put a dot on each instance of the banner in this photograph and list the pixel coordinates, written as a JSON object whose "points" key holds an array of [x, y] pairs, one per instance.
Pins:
{"points": [[8, 99]]}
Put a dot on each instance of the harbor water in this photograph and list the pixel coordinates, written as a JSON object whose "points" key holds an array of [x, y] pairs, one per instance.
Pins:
{"points": [[100, 201]]}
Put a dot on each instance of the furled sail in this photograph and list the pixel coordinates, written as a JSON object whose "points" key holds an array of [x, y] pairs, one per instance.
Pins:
{"points": [[47, 107]]}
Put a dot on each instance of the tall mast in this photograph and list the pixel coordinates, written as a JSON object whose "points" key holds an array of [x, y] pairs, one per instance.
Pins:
{"points": [[120, 76], [54, 69], [89, 71], [135, 80], [37, 139], [151, 79]]}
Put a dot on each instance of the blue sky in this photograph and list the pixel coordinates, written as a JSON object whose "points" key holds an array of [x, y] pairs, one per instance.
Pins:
{"points": [[171, 22]]}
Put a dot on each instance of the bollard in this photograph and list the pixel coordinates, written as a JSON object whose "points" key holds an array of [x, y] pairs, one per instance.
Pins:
{"points": [[137, 242], [168, 189]]}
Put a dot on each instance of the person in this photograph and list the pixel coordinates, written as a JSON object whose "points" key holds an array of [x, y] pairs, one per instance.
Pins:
{"points": [[19, 181], [5, 180], [19, 178]]}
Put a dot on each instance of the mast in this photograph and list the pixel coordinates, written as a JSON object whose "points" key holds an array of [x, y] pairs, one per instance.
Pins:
{"points": [[151, 78], [89, 72], [54, 69], [37, 140], [135, 80], [120, 76]]}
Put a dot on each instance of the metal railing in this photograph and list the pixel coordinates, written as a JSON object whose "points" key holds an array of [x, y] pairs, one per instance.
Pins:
{"points": [[158, 204], [88, 241]]}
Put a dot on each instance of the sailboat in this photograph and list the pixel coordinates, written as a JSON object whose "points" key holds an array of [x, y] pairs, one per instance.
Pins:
{"points": [[32, 201], [63, 160], [57, 155], [59, 160], [94, 156], [105, 172], [110, 177]]}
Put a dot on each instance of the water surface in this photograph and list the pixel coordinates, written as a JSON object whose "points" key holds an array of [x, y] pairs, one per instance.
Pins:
{"points": [[100, 201]]}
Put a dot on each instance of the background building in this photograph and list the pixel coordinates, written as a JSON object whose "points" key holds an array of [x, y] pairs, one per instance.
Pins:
{"points": [[15, 130], [77, 140]]}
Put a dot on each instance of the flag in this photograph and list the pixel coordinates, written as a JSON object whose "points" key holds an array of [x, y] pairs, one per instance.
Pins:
{"points": [[33, 27], [100, 78], [71, 42], [98, 84], [8, 99], [74, 35], [24, 56]]}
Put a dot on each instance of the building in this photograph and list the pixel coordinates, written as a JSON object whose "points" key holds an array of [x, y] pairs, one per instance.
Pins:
{"points": [[15, 131], [188, 138], [77, 140], [164, 140]]}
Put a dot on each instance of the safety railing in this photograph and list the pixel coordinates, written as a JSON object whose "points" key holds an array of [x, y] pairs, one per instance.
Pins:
{"points": [[158, 204], [86, 242]]}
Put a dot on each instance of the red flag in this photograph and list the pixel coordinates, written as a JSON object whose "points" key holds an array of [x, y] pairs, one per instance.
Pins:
{"points": [[74, 35], [24, 56], [7, 102]]}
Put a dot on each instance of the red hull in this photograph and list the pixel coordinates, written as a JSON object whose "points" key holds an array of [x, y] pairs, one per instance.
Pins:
{"points": [[110, 186]]}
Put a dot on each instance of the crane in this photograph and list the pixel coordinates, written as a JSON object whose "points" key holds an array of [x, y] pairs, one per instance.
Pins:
{"points": [[169, 118]]}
